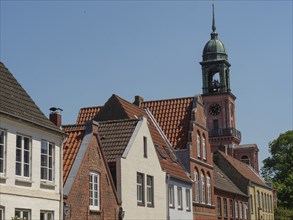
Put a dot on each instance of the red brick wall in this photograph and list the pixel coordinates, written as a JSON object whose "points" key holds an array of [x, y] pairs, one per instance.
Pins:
{"points": [[78, 198]]}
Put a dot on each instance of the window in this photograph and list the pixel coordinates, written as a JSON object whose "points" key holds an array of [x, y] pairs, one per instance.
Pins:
{"points": [[2, 152], [150, 191], [271, 204], [251, 204], [262, 201], [209, 190], [245, 208], [188, 204], [216, 124], [198, 144], [47, 215], [204, 149], [231, 208], [240, 210], [140, 188], [196, 186], [47, 160], [219, 207], [145, 147], [22, 213], [94, 191], [171, 196], [203, 192], [179, 197], [225, 208], [258, 199], [23, 152], [236, 209], [1, 213]]}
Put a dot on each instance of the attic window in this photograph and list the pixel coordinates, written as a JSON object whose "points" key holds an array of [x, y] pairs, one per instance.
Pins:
{"points": [[160, 152], [171, 155]]}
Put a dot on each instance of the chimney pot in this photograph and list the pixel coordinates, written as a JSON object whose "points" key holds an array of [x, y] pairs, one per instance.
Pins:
{"points": [[138, 100]]}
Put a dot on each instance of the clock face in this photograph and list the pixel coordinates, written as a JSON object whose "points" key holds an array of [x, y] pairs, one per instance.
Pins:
{"points": [[214, 109]]}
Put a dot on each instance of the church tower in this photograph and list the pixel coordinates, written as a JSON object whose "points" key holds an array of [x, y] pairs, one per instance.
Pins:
{"points": [[219, 102]]}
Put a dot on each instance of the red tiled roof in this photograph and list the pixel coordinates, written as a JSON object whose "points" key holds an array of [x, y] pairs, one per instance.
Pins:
{"points": [[87, 113], [71, 146], [245, 170], [174, 117]]}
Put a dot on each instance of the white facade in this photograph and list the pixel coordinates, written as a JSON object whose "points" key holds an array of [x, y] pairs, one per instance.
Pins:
{"points": [[26, 193], [142, 161]]}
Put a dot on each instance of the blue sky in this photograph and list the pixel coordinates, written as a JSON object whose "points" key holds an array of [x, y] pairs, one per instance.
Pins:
{"points": [[73, 54]]}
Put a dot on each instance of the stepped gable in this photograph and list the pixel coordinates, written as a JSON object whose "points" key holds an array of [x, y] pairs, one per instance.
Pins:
{"points": [[245, 170], [15, 102], [174, 117], [87, 114], [71, 145], [115, 136], [222, 182], [117, 108]]}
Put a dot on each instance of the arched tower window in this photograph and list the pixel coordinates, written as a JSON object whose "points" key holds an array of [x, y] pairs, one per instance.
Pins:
{"points": [[198, 145], [245, 159], [209, 190], [204, 150], [196, 186], [203, 191]]}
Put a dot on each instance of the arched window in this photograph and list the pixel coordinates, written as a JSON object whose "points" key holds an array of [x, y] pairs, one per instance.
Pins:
{"points": [[245, 159], [209, 190], [203, 192], [258, 199], [196, 187], [204, 150], [198, 144]]}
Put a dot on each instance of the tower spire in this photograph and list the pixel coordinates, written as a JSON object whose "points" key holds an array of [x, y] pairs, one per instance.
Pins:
{"points": [[214, 23]]}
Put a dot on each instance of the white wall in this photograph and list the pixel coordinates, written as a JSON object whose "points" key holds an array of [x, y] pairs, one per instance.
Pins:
{"points": [[28, 193], [135, 162]]}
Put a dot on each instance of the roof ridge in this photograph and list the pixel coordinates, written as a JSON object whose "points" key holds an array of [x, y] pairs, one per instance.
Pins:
{"points": [[117, 121], [96, 106], [168, 99]]}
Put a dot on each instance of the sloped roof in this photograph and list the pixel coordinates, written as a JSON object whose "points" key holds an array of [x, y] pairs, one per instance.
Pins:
{"points": [[245, 170], [71, 146], [115, 136], [173, 116], [247, 146], [15, 102], [222, 182], [87, 114]]}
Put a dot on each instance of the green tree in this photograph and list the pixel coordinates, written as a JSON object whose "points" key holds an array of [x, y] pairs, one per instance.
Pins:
{"points": [[279, 168]]}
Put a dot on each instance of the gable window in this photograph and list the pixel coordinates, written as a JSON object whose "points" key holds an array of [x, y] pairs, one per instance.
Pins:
{"points": [[47, 215], [251, 204], [196, 186], [140, 188], [209, 190], [236, 209], [2, 152], [231, 208], [171, 195], [188, 204], [145, 147], [47, 160], [203, 192], [150, 191], [225, 208], [198, 144], [219, 207], [23, 154], [204, 149], [23, 214], [1, 213], [179, 197], [94, 191]]}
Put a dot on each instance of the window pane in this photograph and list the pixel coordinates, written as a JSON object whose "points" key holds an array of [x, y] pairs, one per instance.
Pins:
{"points": [[44, 160], [50, 175], [26, 170], [18, 169], [25, 215], [43, 173], [1, 151], [18, 141], [17, 213], [26, 143], [18, 155], [26, 156], [50, 162], [2, 137], [44, 147], [42, 216], [51, 149]]}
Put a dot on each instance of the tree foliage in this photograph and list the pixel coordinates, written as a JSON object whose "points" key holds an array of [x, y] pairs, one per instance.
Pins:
{"points": [[279, 168]]}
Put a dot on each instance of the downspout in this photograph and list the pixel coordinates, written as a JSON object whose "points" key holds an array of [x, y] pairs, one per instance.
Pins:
{"points": [[61, 179], [167, 189]]}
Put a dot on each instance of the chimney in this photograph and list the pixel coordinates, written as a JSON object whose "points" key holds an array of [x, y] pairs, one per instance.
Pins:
{"points": [[138, 100], [55, 116], [223, 148]]}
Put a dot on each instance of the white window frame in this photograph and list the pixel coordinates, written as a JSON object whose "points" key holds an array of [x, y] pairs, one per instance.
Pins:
{"points": [[209, 190], [179, 197], [48, 215], [49, 164], [140, 188], [22, 211], [2, 213], [203, 191], [198, 145], [204, 148], [94, 191], [196, 187], [3, 152], [150, 191], [188, 203], [22, 156], [171, 196]]}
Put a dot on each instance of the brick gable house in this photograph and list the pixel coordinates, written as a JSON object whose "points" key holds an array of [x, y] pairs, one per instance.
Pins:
{"points": [[89, 191]]}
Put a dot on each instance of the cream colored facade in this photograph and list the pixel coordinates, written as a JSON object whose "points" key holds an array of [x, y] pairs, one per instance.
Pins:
{"points": [[132, 162], [261, 202], [29, 194]]}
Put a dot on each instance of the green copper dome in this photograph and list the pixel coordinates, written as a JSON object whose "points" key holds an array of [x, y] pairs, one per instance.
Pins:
{"points": [[214, 48]]}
